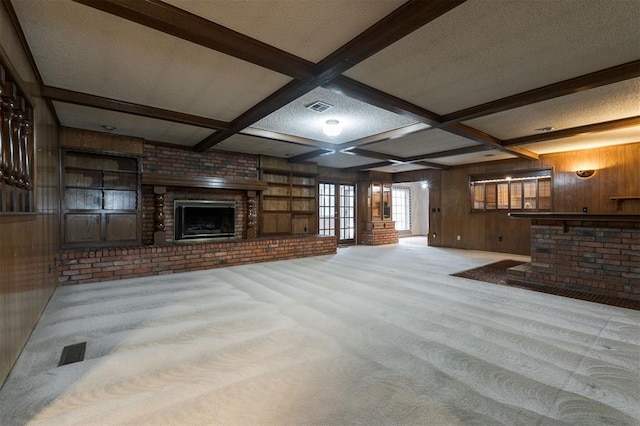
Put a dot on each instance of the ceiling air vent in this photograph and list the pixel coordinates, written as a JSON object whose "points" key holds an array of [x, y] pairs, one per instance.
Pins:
{"points": [[319, 106]]}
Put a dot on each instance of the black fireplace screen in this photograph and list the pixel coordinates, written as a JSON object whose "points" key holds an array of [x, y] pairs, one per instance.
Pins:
{"points": [[204, 219]]}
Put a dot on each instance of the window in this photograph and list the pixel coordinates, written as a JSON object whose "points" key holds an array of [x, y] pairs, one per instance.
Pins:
{"points": [[401, 208], [523, 190]]}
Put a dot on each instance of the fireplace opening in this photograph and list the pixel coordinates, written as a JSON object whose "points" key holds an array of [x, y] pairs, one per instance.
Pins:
{"points": [[204, 219]]}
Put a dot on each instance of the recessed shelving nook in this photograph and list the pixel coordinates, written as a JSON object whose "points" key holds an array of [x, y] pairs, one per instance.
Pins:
{"points": [[101, 198], [289, 204]]}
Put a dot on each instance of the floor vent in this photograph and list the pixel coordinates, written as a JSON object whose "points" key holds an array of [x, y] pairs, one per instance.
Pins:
{"points": [[72, 353]]}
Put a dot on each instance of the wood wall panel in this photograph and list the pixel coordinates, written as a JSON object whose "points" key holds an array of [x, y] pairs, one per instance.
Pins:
{"points": [[30, 241], [618, 174]]}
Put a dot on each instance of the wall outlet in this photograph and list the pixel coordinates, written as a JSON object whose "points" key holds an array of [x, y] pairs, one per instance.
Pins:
{"points": [[458, 237]]}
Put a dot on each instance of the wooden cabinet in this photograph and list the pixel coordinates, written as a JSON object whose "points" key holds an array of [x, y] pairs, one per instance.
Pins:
{"points": [[101, 199], [289, 204]]}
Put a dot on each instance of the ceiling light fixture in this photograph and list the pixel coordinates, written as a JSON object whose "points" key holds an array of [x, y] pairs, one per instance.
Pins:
{"points": [[585, 174], [108, 128], [332, 128], [545, 129]]}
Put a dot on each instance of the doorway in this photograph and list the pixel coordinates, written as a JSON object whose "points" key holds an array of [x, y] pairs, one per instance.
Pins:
{"points": [[337, 211]]}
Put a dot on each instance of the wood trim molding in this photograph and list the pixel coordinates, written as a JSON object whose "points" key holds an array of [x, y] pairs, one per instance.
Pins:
{"points": [[157, 179], [77, 98], [574, 85]]}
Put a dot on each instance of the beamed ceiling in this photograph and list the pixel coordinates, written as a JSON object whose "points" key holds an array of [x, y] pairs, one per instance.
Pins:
{"points": [[415, 84]]}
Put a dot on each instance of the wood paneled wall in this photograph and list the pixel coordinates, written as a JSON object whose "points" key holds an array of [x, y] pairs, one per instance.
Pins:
{"points": [[28, 242], [617, 174]]}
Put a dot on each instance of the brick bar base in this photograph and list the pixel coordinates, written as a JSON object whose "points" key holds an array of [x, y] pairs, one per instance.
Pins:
{"points": [[88, 265], [595, 257]]}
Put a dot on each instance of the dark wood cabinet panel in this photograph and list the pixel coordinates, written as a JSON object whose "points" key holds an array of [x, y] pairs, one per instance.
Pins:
{"points": [[101, 199], [82, 228], [121, 227]]}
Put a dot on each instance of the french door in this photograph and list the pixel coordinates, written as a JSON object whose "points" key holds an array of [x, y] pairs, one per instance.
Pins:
{"points": [[337, 211]]}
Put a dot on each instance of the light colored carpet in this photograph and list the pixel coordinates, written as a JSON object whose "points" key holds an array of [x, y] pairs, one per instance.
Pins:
{"points": [[370, 336]]}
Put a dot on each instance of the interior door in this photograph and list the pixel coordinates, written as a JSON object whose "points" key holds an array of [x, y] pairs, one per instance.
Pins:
{"points": [[337, 211]]}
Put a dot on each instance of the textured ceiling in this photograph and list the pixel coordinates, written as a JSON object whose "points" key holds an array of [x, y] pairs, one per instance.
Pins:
{"points": [[358, 119], [601, 104], [305, 28], [485, 50], [251, 67]]}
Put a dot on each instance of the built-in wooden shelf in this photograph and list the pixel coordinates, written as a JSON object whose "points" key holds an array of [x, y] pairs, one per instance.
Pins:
{"points": [[158, 179], [621, 199], [569, 219], [578, 216]]}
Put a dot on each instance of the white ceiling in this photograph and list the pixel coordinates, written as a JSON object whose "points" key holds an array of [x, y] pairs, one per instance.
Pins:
{"points": [[480, 51]]}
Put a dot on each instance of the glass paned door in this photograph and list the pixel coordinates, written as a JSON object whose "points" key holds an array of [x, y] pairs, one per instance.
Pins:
{"points": [[327, 209], [347, 219], [336, 211]]}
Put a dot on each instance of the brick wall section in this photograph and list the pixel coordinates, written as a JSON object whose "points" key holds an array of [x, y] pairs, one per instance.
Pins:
{"points": [[178, 193], [169, 160], [212, 163], [596, 257], [80, 266], [379, 237]]}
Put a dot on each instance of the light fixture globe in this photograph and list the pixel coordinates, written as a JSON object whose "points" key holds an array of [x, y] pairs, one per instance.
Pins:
{"points": [[332, 128]]}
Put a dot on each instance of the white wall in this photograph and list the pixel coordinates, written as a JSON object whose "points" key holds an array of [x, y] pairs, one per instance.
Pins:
{"points": [[419, 207]]}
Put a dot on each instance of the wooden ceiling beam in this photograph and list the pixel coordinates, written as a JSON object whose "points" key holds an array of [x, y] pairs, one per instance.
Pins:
{"points": [[77, 98], [367, 166], [399, 23], [356, 90], [574, 131], [187, 26], [432, 165], [450, 153], [394, 158], [377, 155], [310, 155], [574, 85], [488, 140]]}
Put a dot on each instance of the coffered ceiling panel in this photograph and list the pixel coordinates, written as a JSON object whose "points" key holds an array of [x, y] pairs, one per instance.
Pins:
{"points": [[339, 160], [308, 29], [82, 49], [397, 168], [87, 118], [255, 145], [250, 68], [425, 142], [478, 157], [619, 100], [484, 50], [587, 141], [357, 119]]}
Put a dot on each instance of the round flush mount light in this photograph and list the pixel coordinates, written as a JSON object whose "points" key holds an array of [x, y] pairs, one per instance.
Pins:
{"points": [[108, 128], [545, 129], [332, 128]]}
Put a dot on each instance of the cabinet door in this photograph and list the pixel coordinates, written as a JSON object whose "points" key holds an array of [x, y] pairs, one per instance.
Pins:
{"points": [[82, 228], [121, 227]]}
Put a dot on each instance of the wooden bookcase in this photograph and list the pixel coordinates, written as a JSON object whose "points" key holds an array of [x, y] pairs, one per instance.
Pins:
{"points": [[101, 199], [289, 204]]}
